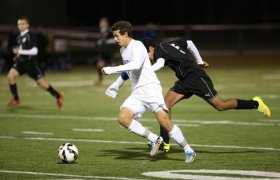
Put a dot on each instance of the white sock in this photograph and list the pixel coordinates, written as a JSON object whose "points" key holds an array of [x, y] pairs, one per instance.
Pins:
{"points": [[187, 148], [152, 137], [137, 128], [177, 135]]}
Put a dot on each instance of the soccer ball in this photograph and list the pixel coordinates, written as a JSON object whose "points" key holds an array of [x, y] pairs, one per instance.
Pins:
{"points": [[68, 152]]}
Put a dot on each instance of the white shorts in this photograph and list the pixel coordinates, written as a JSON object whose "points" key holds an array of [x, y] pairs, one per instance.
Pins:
{"points": [[146, 97]]}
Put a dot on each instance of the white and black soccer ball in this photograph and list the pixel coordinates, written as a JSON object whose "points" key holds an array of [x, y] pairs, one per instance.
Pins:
{"points": [[68, 152]]}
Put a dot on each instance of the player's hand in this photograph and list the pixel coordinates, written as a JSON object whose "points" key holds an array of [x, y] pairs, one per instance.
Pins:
{"points": [[105, 70], [205, 65], [16, 51], [111, 92]]}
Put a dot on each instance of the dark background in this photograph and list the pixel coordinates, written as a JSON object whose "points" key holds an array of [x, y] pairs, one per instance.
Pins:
{"points": [[140, 12]]}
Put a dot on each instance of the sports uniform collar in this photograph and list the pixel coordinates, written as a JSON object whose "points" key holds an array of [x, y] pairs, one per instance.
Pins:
{"points": [[24, 32], [130, 43]]}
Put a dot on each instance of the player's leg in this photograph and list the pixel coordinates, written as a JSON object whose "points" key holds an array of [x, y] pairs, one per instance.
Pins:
{"points": [[171, 98], [58, 95], [221, 105], [156, 103], [35, 73], [131, 110], [256, 103], [176, 133], [12, 75], [203, 87]]}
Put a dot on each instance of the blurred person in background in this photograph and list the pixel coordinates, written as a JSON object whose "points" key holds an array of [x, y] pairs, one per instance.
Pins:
{"points": [[106, 48], [25, 62]]}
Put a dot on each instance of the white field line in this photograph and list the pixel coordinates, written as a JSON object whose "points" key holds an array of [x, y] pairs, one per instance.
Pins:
{"points": [[213, 174], [94, 118], [34, 132], [87, 130], [271, 76], [270, 120], [61, 175], [135, 142]]}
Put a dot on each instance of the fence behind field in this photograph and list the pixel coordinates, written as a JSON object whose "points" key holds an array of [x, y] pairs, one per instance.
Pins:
{"points": [[79, 43]]}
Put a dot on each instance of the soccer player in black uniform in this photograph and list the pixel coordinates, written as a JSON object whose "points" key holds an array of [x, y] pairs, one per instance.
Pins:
{"points": [[25, 62], [192, 79]]}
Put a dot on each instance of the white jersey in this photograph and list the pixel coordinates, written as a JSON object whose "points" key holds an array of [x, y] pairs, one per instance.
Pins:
{"points": [[137, 65]]}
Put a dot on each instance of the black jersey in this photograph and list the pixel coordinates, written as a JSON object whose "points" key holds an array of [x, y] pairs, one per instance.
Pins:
{"points": [[175, 56], [27, 41]]}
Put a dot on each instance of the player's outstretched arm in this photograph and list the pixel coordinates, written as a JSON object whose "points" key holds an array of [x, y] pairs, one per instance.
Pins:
{"points": [[194, 52], [113, 89]]}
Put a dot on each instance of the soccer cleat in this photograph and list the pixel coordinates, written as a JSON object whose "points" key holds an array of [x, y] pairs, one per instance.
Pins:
{"points": [[59, 100], [155, 145], [262, 107], [163, 146], [14, 102], [190, 157], [111, 92]]}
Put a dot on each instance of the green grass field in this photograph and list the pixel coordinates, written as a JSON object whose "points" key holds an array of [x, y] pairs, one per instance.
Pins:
{"points": [[232, 140]]}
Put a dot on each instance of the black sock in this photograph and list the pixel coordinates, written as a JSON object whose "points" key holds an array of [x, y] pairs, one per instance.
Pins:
{"points": [[100, 75], [164, 134], [13, 88], [247, 104], [53, 92]]}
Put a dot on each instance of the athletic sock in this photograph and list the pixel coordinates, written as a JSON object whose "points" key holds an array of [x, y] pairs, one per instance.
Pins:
{"points": [[187, 148], [247, 104], [53, 92], [164, 134], [13, 88], [137, 128], [177, 135]]}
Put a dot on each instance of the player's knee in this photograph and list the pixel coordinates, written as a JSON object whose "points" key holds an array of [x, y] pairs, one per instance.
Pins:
{"points": [[39, 84], [124, 120], [11, 77]]}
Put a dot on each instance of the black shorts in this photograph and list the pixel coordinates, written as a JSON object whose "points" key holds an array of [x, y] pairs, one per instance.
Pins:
{"points": [[29, 67], [198, 83]]}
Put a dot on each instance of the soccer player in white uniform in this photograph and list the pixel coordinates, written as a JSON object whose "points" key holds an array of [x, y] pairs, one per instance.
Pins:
{"points": [[146, 91]]}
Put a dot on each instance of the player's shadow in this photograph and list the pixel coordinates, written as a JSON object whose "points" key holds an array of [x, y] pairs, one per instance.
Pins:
{"points": [[143, 153], [229, 152], [139, 154], [20, 107]]}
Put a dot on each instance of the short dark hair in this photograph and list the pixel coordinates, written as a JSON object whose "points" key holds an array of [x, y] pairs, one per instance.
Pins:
{"points": [[123, 26], [149, 42], [24, 18]]}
